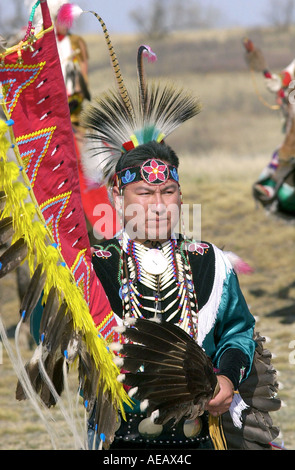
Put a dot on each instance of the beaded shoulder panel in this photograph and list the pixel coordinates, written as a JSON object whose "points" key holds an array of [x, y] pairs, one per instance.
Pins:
{"points": [[106, 261]]}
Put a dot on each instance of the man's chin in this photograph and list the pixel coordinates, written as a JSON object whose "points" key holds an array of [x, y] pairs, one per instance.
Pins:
{"points": [[153, 234], [158, 235]]}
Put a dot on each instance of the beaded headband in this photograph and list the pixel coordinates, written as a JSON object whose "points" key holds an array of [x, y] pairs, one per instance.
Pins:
{"points": [[152, 171]]}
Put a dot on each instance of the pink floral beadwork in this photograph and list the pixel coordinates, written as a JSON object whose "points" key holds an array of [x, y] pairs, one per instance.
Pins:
{"points": [[153, 170], [102, 253], [200, 248]]}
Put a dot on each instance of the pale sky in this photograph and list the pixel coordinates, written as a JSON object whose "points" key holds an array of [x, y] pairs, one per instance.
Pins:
{"points": [[115, 13]]}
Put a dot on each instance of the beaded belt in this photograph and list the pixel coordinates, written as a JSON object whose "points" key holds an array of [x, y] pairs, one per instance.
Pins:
{"points": [[139, 429]]}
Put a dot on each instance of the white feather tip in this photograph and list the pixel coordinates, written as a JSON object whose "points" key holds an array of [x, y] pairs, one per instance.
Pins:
{"points": [[144, 405], [116, 347], [132, 391], [155, 414], [68, 13], [121, 378], [118, 361], [130, 321], [119, 329]]}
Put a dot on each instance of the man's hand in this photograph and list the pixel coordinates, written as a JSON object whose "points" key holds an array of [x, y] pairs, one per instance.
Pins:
{"points": [[221, 403]]}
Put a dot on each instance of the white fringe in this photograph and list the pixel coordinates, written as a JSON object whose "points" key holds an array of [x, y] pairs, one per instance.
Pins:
{"points": [[208, 313], [236, 408]]}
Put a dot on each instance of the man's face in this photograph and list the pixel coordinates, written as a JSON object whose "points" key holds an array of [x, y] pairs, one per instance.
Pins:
{"points": [[151, 212]]}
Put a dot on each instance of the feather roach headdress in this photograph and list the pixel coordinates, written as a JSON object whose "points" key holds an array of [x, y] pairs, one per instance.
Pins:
{"points": [[118, 122]]}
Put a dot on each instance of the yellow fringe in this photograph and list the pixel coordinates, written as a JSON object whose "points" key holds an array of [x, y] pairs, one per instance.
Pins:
{"points": [[28, 222], [215, 427], [216, 433]]}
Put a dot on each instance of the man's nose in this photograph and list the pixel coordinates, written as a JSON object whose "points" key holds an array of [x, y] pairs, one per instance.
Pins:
{"points": [[158, 206], [158, 199]]}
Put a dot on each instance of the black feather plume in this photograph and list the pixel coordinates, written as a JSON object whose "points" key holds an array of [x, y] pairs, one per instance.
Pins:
{"points": [[174, 377]]}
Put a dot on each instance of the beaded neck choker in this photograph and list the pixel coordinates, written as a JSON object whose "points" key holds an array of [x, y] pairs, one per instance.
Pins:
{"points": [[157, 282]]}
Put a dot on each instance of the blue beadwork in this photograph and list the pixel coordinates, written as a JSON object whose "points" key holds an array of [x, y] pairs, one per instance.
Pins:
{"points": [[128, 177]]}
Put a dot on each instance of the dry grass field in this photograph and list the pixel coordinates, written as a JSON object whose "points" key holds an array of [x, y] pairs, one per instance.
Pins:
{"points": [[222, 152]]}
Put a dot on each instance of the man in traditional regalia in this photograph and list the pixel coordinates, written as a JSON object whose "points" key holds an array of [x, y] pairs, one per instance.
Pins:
{"points": [[150, 272], [275, 187], [150, 309]]}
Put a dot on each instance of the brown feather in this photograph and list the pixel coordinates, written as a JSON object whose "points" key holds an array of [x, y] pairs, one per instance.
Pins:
{"points": [[55, 330], [90, 388], [13, 257], [6, 230], [49, 312], [3, 198], [71, 342], [33, 293], [32, 369], [105, 417]]}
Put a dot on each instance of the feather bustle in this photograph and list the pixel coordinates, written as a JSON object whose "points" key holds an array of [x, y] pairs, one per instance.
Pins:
{"points": [[259, 392]]}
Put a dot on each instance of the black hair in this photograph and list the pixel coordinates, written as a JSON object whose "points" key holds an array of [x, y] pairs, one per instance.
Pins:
{"points": [[140, 154]]}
